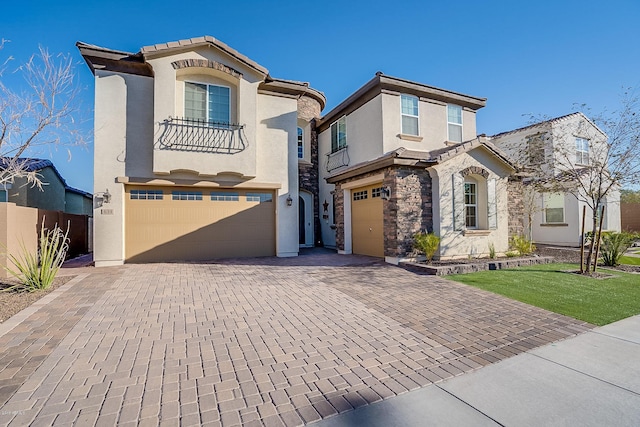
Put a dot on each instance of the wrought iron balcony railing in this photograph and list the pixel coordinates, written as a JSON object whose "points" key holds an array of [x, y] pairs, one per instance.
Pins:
{"points": [[183, 134], [337, 159]]}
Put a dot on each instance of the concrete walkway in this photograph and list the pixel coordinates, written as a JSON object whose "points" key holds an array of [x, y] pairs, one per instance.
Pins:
{"points": [[264, 342], [590, 380]]}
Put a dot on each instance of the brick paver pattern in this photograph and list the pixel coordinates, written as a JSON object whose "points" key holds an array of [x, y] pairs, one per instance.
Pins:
{"points": [[258, 342]]}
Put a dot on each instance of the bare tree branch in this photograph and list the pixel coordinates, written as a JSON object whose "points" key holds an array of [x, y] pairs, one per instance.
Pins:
{"points": [[40, 114]]}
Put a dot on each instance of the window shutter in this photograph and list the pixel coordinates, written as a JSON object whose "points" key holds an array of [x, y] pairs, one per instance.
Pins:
{"points": [[492, 206], [457, 191]]}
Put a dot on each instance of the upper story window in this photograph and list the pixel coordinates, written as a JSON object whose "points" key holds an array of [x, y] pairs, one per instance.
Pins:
{"points": [[454, 122], [300, 143], [582, 151], [409, 113], [471, 204], [339, 134], [205, 102], [553, 207]]}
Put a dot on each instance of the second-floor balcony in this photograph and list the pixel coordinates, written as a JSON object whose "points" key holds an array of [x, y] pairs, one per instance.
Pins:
{"points": [[183, 134], [337, 159]]}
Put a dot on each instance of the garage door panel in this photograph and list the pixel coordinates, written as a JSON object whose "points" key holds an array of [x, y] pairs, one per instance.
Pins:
{"points": [[367, 221], [164, 230]]}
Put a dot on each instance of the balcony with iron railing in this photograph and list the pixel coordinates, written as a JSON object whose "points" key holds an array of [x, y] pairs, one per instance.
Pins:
{"points": [[337, 159], [203, 147], [183, 134]]}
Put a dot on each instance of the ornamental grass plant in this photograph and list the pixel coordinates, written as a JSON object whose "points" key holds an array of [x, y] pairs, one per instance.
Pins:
{"points": [[36, 271]]}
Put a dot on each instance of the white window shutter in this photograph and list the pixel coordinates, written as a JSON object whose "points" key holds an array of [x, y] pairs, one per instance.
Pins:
{"points": [[492, 206], [457, 182]]}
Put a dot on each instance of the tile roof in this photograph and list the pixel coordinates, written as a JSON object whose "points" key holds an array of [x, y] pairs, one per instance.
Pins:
{"points": [[203, 40], [549, 121]]}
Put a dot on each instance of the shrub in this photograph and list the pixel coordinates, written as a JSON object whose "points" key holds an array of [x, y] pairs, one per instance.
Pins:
{"points": [[427, 243], [613, 246], [511, 254], [492, 251], [37, 271], [522, 245]]}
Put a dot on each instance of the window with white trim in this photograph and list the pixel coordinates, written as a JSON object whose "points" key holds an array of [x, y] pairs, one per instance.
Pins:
{"points": [[376, 192], [454, 123], [471, 204], [409, 114], [339, 134], [553, 204], [300, 143], [207, 102], [582, 151]]}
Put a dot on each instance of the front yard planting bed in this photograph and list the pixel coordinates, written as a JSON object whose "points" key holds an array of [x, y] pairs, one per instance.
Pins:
{"points": [[552, 287], [444, 268]]}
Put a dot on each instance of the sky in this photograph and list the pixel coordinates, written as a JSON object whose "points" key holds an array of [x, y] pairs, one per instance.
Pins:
{"points": [[528, 58]]}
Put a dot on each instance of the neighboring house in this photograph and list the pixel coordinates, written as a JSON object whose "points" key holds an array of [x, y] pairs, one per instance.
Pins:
{"points": [[201, 153], [552, 147], [55, 194], [401, 157]]}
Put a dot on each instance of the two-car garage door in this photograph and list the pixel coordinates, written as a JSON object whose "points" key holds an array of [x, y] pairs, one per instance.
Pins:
{"points": [[187, 223]]}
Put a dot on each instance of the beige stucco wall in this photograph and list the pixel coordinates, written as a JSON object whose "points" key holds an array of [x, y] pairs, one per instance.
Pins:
{"points": [[568, 233], [118, 137], [278, 163], [169, 102], [18, 225], [458, 244]]}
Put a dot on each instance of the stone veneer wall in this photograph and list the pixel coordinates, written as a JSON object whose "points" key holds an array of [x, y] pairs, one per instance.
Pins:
{"points": [[308, 181], [515, 205], [407, 212], [308, 174]]}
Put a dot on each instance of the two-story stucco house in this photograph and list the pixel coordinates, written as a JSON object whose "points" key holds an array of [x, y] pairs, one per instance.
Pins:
{"points": [[400, 157], [200, 151], [552, 148]]}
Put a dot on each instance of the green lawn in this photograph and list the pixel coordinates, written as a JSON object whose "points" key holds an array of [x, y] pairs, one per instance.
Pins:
{"points": [[629, 260], [597, 301]]}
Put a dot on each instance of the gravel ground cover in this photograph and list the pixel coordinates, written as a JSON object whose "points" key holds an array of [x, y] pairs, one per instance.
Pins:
{"points": [[11, 302]]}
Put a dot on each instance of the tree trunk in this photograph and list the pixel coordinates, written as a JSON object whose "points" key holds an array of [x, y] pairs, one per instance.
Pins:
{"points": [[592, 244]]}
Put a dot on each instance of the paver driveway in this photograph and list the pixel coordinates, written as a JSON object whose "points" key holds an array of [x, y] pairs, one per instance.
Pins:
{"points": [[252, 342]]}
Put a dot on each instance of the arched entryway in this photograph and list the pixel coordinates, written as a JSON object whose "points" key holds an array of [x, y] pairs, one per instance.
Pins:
{"points": [[305, 219]]}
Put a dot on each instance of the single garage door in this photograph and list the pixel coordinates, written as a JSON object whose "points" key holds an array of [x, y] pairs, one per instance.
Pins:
{"points": [[184, 223], [367, 221]]}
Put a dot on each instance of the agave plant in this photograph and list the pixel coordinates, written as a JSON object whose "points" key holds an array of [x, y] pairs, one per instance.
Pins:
{"points": [[37, 271]]}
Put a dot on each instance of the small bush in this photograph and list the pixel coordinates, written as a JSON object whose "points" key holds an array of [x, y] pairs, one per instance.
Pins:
{"points": [[426, 243], [522, 245], [492, 251], [511, 254], [37, 271], [613, 246]]}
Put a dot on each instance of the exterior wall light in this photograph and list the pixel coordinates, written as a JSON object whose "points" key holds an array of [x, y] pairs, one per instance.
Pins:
{"points": [[289, 200], [106, 196], [386, 193]]}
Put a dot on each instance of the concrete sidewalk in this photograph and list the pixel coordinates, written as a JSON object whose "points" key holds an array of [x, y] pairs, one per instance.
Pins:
{"points": [[589, 380]]}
